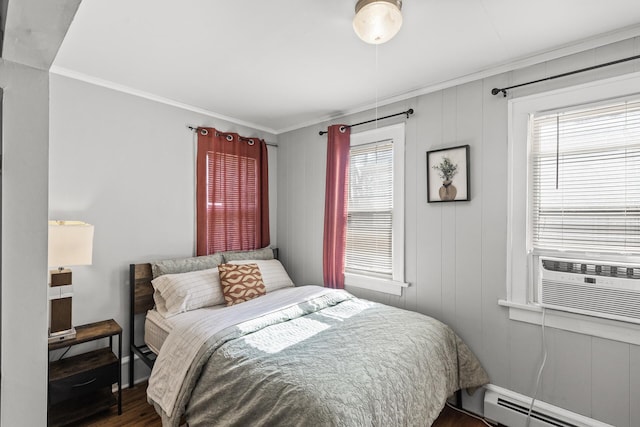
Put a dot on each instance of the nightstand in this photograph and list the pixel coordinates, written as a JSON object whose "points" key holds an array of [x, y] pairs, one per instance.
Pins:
{"points": [[81, 385]]}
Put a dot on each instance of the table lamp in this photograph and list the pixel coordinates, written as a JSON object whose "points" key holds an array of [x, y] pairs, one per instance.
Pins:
{"points": [[70, 244]]}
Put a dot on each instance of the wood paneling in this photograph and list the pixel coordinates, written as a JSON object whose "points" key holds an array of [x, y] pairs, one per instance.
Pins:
{"points": [[525, 356], [428, 250], [634, 387], [448, 219], [493, 159], [468, 234], [412, 201], [564, 380], [456, 253], [610, 382]]}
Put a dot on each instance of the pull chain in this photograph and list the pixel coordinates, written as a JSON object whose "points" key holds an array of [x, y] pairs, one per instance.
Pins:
{"points": [[376, 85]]}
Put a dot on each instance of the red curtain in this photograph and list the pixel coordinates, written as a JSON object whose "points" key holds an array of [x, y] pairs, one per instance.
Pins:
{"points": [[232, 192], [335, 206]]}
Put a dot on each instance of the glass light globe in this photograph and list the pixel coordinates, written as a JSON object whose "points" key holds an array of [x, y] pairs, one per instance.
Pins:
{"points": [[378, 21]]}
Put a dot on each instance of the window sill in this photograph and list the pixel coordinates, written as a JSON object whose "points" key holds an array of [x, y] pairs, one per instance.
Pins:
{"points": [[579, 323], [374, 284]]}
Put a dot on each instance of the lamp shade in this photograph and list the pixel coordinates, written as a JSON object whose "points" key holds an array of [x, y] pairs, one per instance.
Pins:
{"points": [[70, 243], [377, 21]]}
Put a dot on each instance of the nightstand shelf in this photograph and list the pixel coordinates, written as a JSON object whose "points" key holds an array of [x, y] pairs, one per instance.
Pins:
{"points": [[81, 385]]}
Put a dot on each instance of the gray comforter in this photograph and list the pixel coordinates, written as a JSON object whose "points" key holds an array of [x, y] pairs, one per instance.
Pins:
{"points": [[332, 361]]}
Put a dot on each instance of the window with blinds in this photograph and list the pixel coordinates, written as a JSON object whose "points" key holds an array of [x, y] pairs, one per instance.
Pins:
{"points": [[369, 248], [232, 201], [585, 188]]}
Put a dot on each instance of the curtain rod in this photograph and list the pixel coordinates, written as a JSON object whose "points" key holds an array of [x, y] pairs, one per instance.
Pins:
{"points": [[407, 113], [504, 90], [242, 138]]}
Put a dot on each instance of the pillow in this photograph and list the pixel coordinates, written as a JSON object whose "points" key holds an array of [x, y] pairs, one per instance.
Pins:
{"points": [[240, 283], [274, 275], [183, 265], [177, 293], [264, 253]]}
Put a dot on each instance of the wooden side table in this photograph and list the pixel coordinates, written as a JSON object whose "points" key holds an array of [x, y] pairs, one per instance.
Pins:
{"points": [[81, 385]]}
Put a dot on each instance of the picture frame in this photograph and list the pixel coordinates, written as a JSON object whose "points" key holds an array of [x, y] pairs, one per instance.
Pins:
{"points": [[448, 178]]}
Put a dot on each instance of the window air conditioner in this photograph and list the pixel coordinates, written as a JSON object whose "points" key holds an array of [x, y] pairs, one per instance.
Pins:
{"points": [[594, 288]]}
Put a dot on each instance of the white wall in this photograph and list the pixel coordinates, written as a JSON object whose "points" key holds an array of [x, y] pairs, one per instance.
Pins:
{"points": [[24, 245], [456, 252], [126, 165], [33, 31]]}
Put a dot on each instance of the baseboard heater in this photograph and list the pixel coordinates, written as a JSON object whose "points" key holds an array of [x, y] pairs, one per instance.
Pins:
{"points": [[508, 408]]}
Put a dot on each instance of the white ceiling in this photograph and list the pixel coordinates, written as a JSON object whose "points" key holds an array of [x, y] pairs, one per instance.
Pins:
{"points": [[278, 65]]}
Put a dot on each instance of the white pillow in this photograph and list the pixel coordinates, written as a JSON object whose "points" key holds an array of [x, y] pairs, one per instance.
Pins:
{"points": [[273, 273], [180, 292]]}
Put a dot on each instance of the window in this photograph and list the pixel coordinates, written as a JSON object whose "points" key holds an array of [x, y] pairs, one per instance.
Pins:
{"points": [[232, 198], [579, 197], [232, 192], [585, 165], [375, 222], [370, 210]]}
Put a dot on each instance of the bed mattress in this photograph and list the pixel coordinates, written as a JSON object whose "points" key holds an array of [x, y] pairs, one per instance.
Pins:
{"points": [[157, 328]]}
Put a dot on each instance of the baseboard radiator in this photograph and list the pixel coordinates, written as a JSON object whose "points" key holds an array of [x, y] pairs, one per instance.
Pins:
{"points": [[508, 408]]}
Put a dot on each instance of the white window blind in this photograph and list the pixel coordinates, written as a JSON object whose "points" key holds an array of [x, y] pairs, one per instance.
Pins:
{"points": [[370, 208], [585, 190]]}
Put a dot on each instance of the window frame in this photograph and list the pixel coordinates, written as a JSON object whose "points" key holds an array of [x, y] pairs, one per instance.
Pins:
{"points": [[393, 286], [521, 272]]}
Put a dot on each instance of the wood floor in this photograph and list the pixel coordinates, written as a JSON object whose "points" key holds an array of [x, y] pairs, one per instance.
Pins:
{"points": [[137, 412]]}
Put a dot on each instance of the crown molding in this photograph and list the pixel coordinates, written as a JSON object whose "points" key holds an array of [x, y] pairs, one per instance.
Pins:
{"points": [[549, 55], [65, 72]]}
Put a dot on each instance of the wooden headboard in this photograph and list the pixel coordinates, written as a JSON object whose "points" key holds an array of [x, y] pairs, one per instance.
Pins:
{"points": [[141, 301], [141, 289]]}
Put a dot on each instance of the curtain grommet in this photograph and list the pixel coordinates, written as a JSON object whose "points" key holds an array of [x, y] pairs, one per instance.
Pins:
{"points": [[342, 129], [204, 132], [229, 138], [251, 142]]}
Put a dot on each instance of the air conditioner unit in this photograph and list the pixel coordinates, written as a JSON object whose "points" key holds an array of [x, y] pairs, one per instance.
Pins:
{"points": [[595, 288]]}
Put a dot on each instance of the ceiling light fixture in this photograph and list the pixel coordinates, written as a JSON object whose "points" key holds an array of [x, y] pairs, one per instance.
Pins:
{"points": [[377, 21]]}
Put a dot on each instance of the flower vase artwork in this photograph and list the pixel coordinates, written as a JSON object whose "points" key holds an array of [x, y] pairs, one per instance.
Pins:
{"points": [[447, 170]]}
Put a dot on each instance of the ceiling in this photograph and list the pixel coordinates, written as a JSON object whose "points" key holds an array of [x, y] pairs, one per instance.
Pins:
{"points": [[278, 65]]}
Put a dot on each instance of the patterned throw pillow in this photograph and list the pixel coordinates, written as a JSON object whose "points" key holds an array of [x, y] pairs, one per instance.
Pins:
{"points": [[240, 283]]}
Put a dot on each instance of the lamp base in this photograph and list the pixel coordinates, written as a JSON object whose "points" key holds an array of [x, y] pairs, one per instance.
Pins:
{"points": [[62, 335]]}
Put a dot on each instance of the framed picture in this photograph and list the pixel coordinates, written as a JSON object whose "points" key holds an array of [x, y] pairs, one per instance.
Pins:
{"points": [[448, 174]]}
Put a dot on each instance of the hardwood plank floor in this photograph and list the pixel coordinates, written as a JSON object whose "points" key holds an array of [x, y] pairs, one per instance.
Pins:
{"points": [[137, 412]]}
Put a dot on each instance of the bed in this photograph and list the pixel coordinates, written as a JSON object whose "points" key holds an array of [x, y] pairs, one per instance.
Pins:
{"points": [[295, 356]]}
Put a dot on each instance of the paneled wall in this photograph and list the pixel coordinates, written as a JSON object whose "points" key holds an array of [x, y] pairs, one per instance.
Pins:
{"points": [[456, 252]]}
